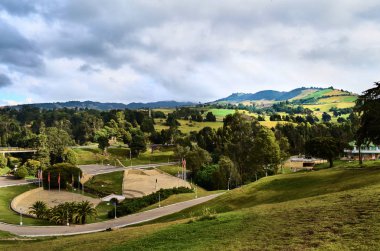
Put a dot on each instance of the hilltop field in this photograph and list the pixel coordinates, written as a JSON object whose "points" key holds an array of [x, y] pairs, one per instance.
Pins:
{"points": [[318, 101], [330, 209]]}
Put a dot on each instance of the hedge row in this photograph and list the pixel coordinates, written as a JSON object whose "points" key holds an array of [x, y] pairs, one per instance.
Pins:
{"points": [[129, 206]]}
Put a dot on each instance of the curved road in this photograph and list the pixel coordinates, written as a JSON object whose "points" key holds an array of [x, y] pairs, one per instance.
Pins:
{"points": [[38, 231]]}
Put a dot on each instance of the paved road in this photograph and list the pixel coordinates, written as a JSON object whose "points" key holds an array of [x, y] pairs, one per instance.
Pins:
{"points": [[99, 169], [7, 181], [35, 231]]}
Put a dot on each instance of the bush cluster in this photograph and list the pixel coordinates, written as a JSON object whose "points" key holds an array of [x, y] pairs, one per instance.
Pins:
{"points": [[67, 171], [129, 206]]}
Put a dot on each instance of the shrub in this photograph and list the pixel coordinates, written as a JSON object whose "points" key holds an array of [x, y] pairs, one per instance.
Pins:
{"points": [[129, 206], [21, 172], [71, 157], [66, 171]]}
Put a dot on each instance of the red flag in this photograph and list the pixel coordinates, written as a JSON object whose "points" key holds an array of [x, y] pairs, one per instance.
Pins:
{"points": [[49, 177], [59, 178]]}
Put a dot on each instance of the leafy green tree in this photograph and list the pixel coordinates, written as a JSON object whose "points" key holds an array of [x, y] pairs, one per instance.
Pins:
{"points": [[32, 166], [3, 161], [210, 117], [229, 172], [147, 125], [251, 147], [84, 210], [43, 153], [196, 158], [57, 141], [138, 143], [21, 172], [39, 209], [326, 117], [102, 137], [71, 157], [206, 138], [324, 147], [368, 107]]}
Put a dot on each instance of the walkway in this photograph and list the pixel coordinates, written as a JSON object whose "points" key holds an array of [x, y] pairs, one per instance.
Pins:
{"points": [[38, 231], [8, 181]]}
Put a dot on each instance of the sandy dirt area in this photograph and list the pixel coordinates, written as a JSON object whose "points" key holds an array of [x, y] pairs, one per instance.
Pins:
{"points": [[139, 182], [52, 198]]}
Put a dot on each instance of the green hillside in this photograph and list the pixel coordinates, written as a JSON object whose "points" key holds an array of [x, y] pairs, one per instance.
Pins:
{"points": [[331, 209]]}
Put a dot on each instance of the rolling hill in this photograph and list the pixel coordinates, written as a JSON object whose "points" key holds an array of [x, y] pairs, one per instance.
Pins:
{"points": [[331, 209], [106, 106], [303, 95]]}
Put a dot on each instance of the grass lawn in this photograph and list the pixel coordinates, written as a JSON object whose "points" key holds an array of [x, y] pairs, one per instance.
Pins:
{"points": [[9, 216], [330, 209], [94, 156], [187, 126], [172, 170], [108, 182]]}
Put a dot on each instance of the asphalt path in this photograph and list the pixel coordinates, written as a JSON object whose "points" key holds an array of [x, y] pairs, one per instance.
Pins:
{"points": [[7, 181], [133, 219]]}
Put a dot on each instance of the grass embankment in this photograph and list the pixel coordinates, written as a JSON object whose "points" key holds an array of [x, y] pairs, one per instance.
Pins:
{"points": [[331, 209], [107, 183], [7, 215], [95, 156]]}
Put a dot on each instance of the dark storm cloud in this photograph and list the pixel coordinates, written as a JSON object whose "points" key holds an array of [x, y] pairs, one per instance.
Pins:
{"points": [[88, 68], [18, 52], [19, 7], [4, 81]]}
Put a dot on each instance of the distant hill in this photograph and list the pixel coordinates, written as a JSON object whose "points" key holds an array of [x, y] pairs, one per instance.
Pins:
{"points": [[266, 95], [301, 95], [107, 106], [159, 104]]}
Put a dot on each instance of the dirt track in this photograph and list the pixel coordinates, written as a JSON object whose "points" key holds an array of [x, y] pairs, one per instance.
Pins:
{"points": [[138, 182]]}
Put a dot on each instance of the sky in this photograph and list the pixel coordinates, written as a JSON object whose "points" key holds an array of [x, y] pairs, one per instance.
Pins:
{"points": [[191, 50]]}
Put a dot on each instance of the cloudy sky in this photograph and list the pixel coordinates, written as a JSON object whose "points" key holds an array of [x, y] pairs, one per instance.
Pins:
{"points": [[195, 50]]}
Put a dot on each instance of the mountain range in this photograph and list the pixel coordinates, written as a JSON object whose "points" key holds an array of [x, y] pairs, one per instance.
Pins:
{"points": [[303, 95], [107, 106]]}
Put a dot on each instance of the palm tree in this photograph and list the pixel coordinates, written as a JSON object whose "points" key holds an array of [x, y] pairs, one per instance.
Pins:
{"points": [[39, 209], [58, 214], [83, 210]]}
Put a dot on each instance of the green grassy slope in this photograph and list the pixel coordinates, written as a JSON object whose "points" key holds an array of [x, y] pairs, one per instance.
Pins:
{"points": [[331, 209]]}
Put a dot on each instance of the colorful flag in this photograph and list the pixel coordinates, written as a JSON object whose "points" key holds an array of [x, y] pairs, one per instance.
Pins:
{"points": [[59, 182]]}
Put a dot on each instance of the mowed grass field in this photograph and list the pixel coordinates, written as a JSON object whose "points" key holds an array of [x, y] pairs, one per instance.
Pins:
{"points": [[94, 156], [330, 209], [7, 215]]}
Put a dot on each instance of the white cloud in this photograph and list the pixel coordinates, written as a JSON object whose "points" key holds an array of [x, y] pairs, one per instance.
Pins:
{"points": [[128, 51]]}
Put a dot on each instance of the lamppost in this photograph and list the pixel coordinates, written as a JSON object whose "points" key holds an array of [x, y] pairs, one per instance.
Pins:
{"points": [[67, 217], [130, 155], [20, 217], [159, 199], [115, 209]]}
